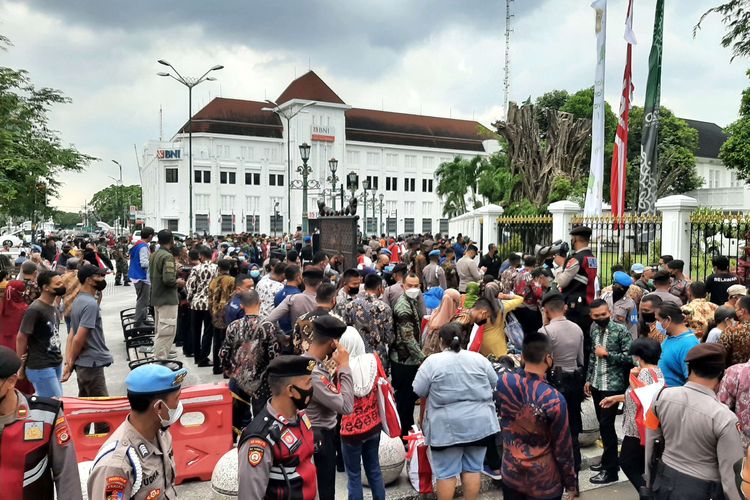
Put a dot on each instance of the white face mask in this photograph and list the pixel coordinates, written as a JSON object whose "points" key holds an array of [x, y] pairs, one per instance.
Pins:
{"points": [[174, 414], [328, 269], [412, 293]]}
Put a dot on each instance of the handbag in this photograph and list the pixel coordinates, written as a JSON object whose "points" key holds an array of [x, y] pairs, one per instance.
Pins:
{"points": [[389, 420], [418, 462], [514, 331]]}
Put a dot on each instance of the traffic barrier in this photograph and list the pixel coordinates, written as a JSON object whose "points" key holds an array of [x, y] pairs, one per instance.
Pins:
{"points": [[199, 439]]}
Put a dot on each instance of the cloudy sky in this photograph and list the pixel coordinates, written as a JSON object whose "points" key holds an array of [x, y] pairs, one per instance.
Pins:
{"points": [[437, 57]]}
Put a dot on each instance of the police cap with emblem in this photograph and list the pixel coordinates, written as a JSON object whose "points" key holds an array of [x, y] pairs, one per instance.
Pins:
{"points": [[154, 379], [9, 362], [708, 355], [583, 231], [434, 253], [328, 327], [290, 365]]}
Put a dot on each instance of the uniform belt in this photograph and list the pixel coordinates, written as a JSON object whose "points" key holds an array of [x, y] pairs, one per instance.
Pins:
{"points": [[702, 488]]}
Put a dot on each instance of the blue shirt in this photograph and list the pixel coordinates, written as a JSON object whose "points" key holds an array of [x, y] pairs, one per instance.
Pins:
{"points": [[672, 361], [285, 323], [459, 249], [233, 311]]}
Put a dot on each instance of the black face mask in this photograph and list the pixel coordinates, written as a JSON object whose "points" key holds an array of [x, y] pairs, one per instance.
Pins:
{"points": [[100, 285], [648, 317], [354, 291], [59, 291], [304, 399], [602, 322], [618, 293], [481, 322]]}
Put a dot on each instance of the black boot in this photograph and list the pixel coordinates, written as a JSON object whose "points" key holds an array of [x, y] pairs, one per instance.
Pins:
{"points": [[604, 477]]}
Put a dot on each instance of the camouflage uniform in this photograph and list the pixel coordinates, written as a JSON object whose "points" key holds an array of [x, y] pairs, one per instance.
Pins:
{"points": [[120, 254], [698, 314]]}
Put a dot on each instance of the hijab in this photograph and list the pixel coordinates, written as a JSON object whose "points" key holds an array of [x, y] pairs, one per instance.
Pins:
{"points": [[364, 366], [446, 311]]}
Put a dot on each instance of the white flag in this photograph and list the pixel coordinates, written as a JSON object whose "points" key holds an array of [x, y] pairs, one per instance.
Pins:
{"points": [[595, 185]]}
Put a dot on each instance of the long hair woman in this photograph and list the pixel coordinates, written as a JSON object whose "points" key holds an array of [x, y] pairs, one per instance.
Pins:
{"points": [[448, 307], [460, 415]]}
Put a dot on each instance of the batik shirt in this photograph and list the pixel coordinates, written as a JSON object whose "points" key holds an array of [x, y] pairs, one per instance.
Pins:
{"points": [[608, 373], [342, 299], [249, 346], [31, 291], [303, 332], [734, 392], [507, 278], [736, 340], [267, 289], [405, 348], [451, 274], [698, 314], [537, 447], [373, 319], [219, 294], [197, 285]]}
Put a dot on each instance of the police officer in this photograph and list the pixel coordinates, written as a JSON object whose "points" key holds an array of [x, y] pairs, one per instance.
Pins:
{"points": [[567, 350], [120, 254], [36, 454], [137, 461], [701, 436], [276, 448], [577, 282], [332, 396]]}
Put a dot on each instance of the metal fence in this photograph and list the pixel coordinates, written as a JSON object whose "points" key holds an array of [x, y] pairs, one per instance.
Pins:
{"points": [[623, 241], [523, 233], [716, 234]]}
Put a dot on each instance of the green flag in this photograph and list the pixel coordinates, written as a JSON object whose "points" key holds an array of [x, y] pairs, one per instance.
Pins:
{"points": [[649, 168]]}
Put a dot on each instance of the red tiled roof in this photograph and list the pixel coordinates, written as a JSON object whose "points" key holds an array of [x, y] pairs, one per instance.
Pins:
{"points": [[309, 87], [236, 117]]}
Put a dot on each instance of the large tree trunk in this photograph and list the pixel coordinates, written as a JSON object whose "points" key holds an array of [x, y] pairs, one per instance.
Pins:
{"points": [[538, 160]]}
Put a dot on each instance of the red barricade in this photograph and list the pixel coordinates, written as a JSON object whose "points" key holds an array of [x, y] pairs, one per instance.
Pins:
{"points": [[199, 439]]}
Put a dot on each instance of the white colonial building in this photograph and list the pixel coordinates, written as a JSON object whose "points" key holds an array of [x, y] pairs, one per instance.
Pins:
{"points": [[240, 170]]}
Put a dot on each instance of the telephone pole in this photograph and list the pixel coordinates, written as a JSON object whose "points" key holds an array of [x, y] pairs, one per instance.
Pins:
{"points": [[506, 78]]}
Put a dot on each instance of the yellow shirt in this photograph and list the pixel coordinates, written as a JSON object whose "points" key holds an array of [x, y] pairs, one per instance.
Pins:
{"points": [[495, 342]]}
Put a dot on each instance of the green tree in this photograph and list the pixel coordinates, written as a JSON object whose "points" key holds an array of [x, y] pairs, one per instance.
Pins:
{"points": [[554, 99], [32, 156], [110, 203], [678, 143], [736, 18], [735, 152], [496, 180], [66, 220], [455, 180]]}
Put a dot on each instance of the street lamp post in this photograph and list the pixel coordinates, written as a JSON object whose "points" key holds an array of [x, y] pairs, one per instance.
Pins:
{"points": [[374, 203], [333, 165], [275, 217], [120, 196], [365, 187], [189, 82], [382, 197], [305, 170], [288, 117]]}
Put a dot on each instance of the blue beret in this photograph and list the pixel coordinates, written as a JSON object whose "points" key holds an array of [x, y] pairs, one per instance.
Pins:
{"points": [[385, 251], [434, 253], [622, 278], [153, 379], [307, 239]]}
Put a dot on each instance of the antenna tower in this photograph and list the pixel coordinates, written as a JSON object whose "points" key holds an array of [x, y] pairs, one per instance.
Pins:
{"points": [[506, 80]]}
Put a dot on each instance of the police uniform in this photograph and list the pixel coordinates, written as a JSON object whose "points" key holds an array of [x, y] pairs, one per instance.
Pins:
{"points": [[701, 438], [37, 456], [331, 398], [275, 453], [129, 466]]}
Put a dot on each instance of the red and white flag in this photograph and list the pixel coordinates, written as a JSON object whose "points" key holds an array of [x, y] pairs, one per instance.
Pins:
{"points": [[620, 154]]}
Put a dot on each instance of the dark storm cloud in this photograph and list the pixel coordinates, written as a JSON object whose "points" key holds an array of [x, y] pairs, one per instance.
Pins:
{"points": [[374, 31]]}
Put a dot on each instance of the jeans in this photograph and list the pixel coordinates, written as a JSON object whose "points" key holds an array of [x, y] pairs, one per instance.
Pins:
{"points": [[606, 418], [142, 301], [365, 453], [47, 381]]}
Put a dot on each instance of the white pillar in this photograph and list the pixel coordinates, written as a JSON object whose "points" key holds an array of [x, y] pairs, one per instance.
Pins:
{"points": [[489, 215], [675, 226], [562, 215]]}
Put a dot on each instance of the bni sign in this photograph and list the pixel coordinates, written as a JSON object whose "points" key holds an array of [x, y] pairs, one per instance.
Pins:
{"points": [[168, 154], [322, 134]]}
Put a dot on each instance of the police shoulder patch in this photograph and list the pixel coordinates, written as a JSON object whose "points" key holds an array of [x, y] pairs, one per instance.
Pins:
{"points": [[62, 435], [329, 385], [114, 487], [255, 454]]}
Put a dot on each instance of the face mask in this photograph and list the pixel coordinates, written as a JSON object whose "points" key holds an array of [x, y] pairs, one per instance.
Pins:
{"points": [[602, 322], [412, 293], [618, 293], [59, 291], [481, 321], [327, 269], [174, 414], [648, 317], [304, 399], [255, 273], [651, 283], [661, 328], [100, 285], [354, 291]]}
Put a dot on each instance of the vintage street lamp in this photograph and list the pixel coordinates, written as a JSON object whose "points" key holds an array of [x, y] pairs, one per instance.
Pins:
{"points": [[305, 170], [333, 165]]}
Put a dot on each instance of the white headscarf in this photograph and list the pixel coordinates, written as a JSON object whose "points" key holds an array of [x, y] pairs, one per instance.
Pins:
{"points": [[363, 365]]}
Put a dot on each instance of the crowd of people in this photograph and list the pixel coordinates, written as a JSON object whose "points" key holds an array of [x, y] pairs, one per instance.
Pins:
{"points": [[492, 356]]}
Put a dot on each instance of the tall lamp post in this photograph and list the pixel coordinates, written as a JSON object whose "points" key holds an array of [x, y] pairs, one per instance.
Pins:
{"points": [[382, 197], [275, 217], [365, 188], [189, 82], [288, 117], [120, 196], [305, 170], [374, 203], [333, 165]]}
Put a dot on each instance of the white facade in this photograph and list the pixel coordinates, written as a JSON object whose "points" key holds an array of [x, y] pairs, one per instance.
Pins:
{"points": [[238, 178], [721, 187]]}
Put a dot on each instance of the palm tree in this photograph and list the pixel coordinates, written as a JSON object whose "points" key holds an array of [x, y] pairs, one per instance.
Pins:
{"points": [[456, 179]]}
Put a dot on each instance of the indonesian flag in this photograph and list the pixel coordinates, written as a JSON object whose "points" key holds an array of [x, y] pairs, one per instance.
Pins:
{"points": [[620, 155]]}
